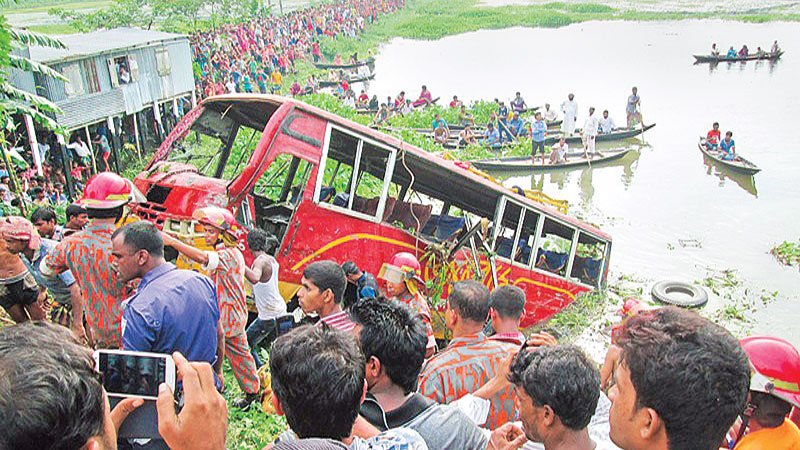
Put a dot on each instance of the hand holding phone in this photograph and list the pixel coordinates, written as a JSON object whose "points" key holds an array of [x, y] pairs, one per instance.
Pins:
{"points": [[203, 421]]}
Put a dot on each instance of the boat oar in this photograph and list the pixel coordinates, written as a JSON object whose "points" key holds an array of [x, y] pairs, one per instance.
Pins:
{"points": [[641, 121]]}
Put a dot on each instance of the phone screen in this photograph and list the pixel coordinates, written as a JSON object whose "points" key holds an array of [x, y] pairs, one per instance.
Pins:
{"points": [[132, 374]]}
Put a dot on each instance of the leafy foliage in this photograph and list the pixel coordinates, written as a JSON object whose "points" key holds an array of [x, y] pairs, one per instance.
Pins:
{"points": [[787, 253]]}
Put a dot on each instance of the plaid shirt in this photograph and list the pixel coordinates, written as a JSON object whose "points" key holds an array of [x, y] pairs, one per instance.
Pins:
{"points": [[87, 254], [464, 366], [228, 275]]}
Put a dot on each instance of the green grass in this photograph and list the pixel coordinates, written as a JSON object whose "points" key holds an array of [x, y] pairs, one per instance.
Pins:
{"points": [[787, 253], [579, 315], [55, 28], [34, 7]]}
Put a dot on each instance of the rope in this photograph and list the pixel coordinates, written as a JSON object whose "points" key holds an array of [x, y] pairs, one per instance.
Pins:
{"points": [[410, 205]]}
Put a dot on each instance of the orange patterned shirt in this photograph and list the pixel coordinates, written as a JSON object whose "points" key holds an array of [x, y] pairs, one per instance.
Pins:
{"points": [[462, 368], [419, 305], [228, 276], [87, 254]]}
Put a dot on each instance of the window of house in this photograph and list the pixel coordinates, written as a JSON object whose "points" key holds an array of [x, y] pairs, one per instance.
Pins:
{"points": [[90, 69], [162, 62], [123, 70], [74, 86]]}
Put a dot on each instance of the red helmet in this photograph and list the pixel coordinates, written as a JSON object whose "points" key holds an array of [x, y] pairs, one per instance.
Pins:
{"points": [[407, 263], [219, 218], [403, 267], [777, 367], [107, 190]]}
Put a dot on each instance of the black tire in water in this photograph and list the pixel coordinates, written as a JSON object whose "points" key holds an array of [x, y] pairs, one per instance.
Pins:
{"points": [[679, 294]]}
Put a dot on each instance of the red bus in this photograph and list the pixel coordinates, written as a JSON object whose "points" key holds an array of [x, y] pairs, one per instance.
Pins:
{"points": [[329, 188]]}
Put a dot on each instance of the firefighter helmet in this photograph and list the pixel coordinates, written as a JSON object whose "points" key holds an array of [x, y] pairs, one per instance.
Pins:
{"points": [[219, 218], [403, 267], [776, 365], [107, 190]]}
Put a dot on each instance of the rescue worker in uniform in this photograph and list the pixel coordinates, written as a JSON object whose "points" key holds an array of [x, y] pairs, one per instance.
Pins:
{"points": [[774, 390], [403, 284], [226, 268], [87, 254]]}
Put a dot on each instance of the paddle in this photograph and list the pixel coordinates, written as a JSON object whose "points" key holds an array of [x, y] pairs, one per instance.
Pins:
{"points": [[641, 121]]}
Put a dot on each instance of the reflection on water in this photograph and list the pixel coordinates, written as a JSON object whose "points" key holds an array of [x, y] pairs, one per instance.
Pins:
{"points": [[746, 182], [664, 192]]}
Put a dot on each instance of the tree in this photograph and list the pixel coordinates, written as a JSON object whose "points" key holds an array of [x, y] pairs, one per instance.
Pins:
{"points": [[14, 101]]}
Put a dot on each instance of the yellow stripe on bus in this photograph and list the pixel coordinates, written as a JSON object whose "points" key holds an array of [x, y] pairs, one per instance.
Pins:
{"points": [[545, 285]]}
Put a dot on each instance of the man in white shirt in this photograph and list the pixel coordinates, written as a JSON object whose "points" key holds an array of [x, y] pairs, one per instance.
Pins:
{"points": [[550, 115], [607, 124], [589, 133], [570, 109]]}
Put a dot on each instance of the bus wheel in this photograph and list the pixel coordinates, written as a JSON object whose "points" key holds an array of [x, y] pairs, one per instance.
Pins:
{"points": [[679, 294]]}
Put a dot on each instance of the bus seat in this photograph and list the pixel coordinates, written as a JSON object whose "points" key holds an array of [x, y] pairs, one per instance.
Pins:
{"points": [[551, 261], [524, 255], [591, 270], [430, 227], [326, 194], [504, 246], [403, 213], [370, 206], [448, 226]]}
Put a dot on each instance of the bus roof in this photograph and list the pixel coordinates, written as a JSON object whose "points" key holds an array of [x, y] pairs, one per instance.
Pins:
{"points": [[472, 187]]}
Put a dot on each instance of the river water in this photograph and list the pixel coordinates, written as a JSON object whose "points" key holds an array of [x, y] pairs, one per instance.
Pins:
{"points": [[665, 194]]}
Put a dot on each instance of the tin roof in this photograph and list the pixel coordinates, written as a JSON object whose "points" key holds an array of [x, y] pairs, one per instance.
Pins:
{"points": [[98, 42]]}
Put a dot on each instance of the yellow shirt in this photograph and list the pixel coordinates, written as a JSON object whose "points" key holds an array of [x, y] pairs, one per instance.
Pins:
{"points": [[277, 78], [784, 437]]}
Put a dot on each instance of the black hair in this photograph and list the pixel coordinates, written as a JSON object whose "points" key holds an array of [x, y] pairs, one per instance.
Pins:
{"points": [[259, 240], [715, 123], [685, 367], [770, 411], [350, 268], [395, 335], [318, 379], [51, 396], [111, 213], [508, 301], [37, 190], [141, 235], [729, 133], [562, 377], [74, 210], [470, 299], [327, 275], [44, 213]]}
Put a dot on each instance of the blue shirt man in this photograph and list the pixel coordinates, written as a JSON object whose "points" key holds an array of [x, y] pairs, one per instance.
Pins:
{"points": [[538, 130], [366, 286], [728, 147], [436, 121], [516, 125]]}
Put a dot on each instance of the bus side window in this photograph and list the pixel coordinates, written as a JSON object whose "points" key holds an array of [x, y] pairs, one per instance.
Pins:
{"points": [[555, 244], [588, 259], [515, 235]]}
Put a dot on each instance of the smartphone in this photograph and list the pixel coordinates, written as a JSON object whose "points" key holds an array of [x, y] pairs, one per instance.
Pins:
{"points": [[134, 374]]}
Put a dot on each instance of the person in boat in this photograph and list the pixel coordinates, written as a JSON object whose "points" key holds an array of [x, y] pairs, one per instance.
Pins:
{"points": [[538, 134], [518, 104], [516, 126], [491, 138], [465, 118], [550, 115], [363, 99], [743, 52], [339, 91], [714, 50], [760, 53], [406, 108], [467, 136], [632, 112], [382, 116], [713, 137], [775, 48], [558, 152], [441, 133], [390, 103], [437, 121], [456, 103], [570, 109], [607, 124], [400, 100], [425, 98], [728, 147], [589, 134], [373, 102], [502, 122], [731, 53], [332, 76]]}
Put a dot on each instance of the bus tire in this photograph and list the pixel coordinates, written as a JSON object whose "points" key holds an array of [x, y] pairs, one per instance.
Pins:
{"points": [[664, 292]]}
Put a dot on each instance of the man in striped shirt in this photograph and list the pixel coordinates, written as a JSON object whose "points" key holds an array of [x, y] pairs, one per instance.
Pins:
{"points": [[321, 291], [471, 359]]}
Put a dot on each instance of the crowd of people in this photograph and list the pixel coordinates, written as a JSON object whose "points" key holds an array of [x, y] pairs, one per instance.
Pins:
{"points": [[744, 52], [358, 370], [256, 56]]}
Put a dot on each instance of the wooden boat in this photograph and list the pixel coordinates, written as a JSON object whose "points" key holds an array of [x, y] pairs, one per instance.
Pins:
{"points": [[620, 134], [716, 59], [351, 80], [574, 159], [740, 164], [367, 62]]}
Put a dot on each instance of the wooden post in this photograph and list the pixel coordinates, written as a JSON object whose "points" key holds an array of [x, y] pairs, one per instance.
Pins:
{"points": [[136, 133], [91, 149], [37, 157]]}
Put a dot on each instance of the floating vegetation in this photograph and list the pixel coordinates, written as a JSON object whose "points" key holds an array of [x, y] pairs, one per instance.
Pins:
{"points": [[787, 253]]}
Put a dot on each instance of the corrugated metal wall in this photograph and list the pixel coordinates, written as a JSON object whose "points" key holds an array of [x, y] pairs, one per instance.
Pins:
{"points": [[124, 99], [24, 80]]}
